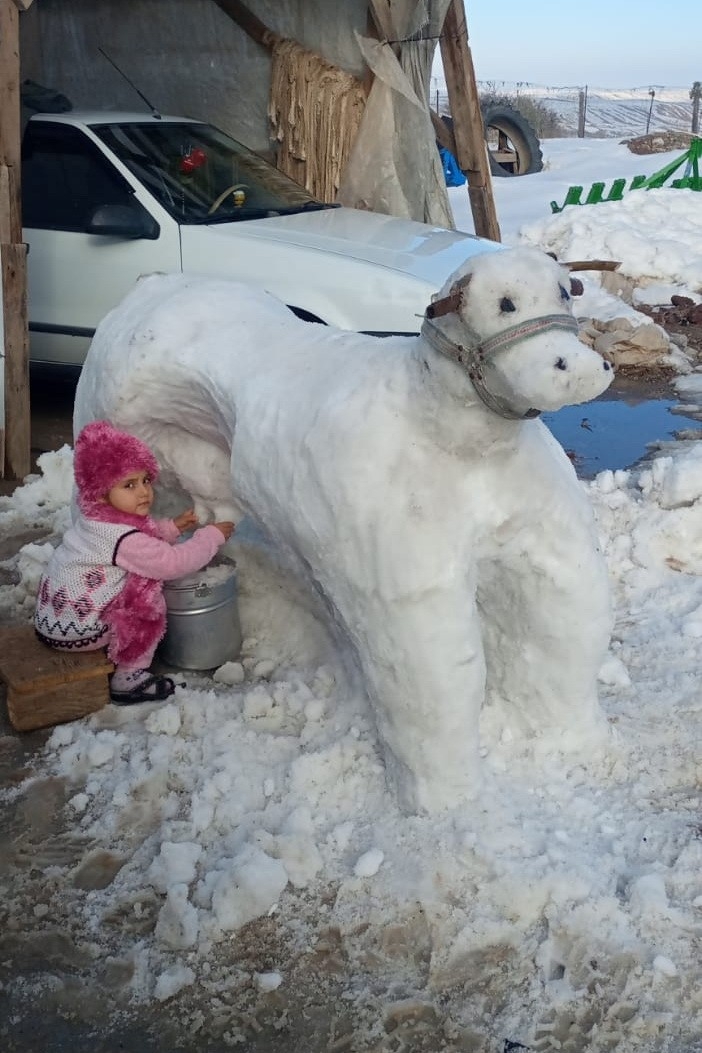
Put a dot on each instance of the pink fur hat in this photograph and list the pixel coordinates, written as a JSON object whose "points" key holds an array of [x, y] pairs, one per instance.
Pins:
{"points": [[103, 455]]}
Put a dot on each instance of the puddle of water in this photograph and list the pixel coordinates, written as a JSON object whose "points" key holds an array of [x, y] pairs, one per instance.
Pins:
{"points": [[615, 430]]}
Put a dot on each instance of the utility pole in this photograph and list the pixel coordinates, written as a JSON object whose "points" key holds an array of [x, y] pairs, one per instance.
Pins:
{"points": [[652, 93], [695, 94]]}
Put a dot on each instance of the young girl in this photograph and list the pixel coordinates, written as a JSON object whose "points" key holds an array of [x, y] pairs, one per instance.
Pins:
{"points": [[103, 585]]}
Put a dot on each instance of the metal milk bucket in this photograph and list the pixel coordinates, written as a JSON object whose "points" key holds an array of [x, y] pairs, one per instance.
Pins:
{"points": [[203, 620]]}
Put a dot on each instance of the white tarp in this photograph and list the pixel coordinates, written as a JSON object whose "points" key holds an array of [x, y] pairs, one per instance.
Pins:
{"points": [[394, 166]]}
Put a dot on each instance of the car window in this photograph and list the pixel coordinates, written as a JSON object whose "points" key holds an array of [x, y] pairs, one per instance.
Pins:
{"points": [[65, 178], [200, 175]]}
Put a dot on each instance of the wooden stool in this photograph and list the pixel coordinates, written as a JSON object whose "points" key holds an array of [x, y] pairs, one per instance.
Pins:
{"points": [[47, 687]]}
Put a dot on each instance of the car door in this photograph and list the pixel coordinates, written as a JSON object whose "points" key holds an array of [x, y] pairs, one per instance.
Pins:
{"points": [[75, 276]]}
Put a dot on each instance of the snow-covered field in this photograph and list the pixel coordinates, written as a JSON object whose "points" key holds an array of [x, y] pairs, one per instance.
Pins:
{"points": [[616, 113], [230, 864]]}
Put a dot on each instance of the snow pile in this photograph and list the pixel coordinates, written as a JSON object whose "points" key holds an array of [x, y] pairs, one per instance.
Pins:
{"points": [[565, 902]]}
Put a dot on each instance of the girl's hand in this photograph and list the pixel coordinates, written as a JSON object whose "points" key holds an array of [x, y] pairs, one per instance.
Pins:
{"points": [[186, 520], [226, 528]]}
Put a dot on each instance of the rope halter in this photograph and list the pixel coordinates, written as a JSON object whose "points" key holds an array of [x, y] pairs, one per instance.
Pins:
{"points": [[474, 354]]}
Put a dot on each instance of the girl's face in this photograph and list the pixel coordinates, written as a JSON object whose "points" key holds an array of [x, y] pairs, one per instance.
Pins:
{"points": [[134, 494]]}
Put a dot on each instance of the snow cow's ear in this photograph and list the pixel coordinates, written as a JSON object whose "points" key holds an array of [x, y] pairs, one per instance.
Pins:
{"points": [[451, 303]]}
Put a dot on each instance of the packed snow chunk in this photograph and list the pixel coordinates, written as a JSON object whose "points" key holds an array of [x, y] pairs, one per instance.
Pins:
{"points": [[682, 480], [247, 888], [173, 981], [664, 966], [268, 981], [295, 846], [614, 673], [52, 489], [31, 564], [692, 624], [80, 802], [175, 864], [260, 703], [369, 863], [264, 669], [164, 721], [231, 673], [103, 748], [177, 925], [389, 474], [649, 896]]}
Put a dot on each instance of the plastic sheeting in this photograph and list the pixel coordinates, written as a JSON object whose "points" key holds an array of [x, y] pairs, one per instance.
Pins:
{"points": [[394, 166]]}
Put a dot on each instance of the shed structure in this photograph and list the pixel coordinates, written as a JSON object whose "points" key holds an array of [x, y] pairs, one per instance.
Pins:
{"points": [[336, 94]]}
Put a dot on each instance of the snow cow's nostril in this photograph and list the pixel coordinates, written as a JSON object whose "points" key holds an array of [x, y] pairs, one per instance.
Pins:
{"points": [[561, 363], [607, 366]]}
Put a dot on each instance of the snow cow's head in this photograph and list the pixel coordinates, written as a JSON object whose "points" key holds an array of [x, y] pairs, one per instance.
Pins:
{"points": [[506, 318]]}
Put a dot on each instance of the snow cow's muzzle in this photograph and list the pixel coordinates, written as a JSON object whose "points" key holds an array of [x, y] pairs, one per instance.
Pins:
{"points": [[521, 385]]}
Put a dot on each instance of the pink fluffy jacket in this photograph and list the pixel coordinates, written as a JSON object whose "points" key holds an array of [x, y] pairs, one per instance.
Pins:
{"points": [[137, 616]]}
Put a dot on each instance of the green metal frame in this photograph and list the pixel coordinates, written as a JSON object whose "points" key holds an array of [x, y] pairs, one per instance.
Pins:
{"points": [[690, 180]]}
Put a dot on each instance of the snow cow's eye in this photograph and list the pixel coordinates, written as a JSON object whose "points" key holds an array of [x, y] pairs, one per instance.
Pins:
{"points": [[561, 363], [506, 304], [565, 295]]}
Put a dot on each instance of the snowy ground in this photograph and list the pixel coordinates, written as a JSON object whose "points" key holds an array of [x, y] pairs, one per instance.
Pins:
{"points": [[228, 870]]}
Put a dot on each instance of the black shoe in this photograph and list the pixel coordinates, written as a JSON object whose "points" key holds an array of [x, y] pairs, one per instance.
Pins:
{"points": [[153, 689]]}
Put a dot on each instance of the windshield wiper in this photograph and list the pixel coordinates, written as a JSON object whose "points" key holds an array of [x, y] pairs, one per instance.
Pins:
{"points": [[309, 206]]}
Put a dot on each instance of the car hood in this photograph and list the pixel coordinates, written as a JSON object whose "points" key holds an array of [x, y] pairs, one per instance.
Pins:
{"points": [[427, 253]]}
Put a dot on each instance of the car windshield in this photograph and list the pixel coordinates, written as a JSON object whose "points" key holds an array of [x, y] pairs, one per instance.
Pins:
{"points": [[200, 175]]}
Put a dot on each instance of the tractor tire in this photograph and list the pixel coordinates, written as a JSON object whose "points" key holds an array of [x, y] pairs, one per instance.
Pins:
{"points": [[513, 146]]}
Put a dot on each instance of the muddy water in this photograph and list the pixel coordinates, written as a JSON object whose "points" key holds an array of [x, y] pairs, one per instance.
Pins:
{"points": [[623, 426]]}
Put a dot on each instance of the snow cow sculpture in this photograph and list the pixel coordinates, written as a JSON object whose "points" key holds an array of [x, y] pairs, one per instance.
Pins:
{"points": [[408, 478]]}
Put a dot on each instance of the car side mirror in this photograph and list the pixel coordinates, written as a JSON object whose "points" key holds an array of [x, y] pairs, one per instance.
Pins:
{"points": [[123, 221]]}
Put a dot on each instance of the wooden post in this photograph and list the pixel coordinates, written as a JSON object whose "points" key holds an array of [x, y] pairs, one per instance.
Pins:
{"points": [[696, 95], [582, 112], [15, 431], [471, 148]]}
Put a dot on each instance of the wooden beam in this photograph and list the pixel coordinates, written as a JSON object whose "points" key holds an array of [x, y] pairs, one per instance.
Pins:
{"points": [[23, 5], [471, 148], [248, 21], [13, 256]]}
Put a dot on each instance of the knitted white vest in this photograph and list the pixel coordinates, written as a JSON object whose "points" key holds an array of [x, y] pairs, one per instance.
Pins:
{"points": [[80, 580]]}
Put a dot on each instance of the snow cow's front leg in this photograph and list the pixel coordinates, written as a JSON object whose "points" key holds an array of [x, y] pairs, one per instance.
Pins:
{"points": [[426, 674], [545, 603]]}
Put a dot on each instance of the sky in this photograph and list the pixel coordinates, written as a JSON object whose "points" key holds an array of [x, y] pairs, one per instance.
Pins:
{"points": [[601, 44], [235, 856]]}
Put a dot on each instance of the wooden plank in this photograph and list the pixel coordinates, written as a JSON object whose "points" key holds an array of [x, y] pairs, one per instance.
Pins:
{"points": [[28, 665], [471, 148], [13, 276], [47, 687], [45, 709]]}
